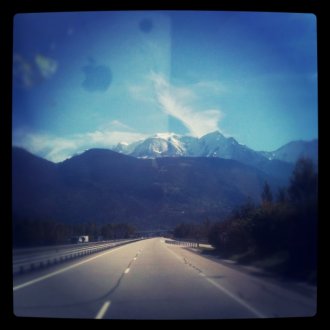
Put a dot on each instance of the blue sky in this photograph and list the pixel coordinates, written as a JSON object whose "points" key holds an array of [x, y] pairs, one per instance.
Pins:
{"points": [[84, 80]]}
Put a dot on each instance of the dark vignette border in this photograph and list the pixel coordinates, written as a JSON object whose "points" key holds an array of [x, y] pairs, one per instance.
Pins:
{"points": [[8, 9]]}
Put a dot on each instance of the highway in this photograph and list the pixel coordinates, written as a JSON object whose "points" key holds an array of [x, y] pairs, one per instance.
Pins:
{"points": [[150, 279], [29, 259]]}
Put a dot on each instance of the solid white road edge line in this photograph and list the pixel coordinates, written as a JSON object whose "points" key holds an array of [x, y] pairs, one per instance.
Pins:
{"points": [[234, 297], [103, 310], [175, 255], [227, 292], [62, 270]]}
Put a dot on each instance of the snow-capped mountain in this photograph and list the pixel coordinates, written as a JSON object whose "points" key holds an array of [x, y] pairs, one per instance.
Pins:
{"points": [[291, 151], [126, 148], [215, 144], [278, 164], [160, 145]]}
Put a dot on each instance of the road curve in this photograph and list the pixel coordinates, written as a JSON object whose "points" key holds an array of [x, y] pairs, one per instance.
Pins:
{"points": [[150, 279]]}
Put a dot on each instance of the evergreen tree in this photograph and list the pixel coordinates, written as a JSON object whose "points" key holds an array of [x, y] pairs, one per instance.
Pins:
{"points": [[281, 196], [266, 195], [303, 183]]}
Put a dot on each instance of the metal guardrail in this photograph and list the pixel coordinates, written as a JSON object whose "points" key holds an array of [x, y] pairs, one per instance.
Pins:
{"points": [[25, 260], [184, 243]]}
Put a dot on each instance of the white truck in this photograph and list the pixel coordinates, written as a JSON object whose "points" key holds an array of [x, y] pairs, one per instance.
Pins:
{"points": [[80, 239]]}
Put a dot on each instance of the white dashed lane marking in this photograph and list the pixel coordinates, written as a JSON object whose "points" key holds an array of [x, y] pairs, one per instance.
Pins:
{"points": [[103, 310], [38, 279]]}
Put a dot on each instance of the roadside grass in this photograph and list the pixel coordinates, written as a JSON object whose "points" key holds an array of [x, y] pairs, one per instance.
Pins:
{"points": [[277, 264], [274, 263]]}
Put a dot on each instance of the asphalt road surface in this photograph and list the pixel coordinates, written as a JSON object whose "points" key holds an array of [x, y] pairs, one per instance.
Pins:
{"points": [[150, 279]]}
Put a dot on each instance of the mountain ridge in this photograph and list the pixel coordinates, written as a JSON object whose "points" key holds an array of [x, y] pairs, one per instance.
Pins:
{"points": [[213, 144], [293, 150], [181, 178], [104, 186]]}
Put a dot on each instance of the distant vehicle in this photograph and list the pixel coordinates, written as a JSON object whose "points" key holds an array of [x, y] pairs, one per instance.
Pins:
{"points": [[80, 239]]}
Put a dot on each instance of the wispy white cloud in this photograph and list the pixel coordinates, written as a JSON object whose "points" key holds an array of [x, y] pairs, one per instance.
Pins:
{"points": [[213, 86], [46, 65], [111, 138], [47, 146], [141, 93], [57, 149], [22, 72], [178, 102], [115, 125], [27, 73]]}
